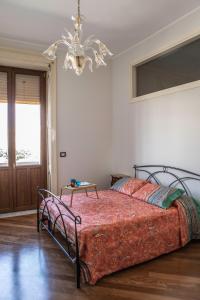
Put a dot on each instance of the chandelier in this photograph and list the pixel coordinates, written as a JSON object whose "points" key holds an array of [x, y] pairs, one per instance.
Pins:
{"points": [[77, 56]]}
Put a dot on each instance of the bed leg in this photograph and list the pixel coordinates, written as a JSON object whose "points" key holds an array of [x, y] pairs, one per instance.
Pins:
{"points": [[78, 274], [38, 213], [49, 225], [38, 222]]}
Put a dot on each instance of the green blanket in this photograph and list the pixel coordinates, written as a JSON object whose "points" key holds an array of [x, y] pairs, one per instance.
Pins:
{"points": [[197, 204], [192, 211]]}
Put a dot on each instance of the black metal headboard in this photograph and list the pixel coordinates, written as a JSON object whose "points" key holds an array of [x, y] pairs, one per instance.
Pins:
{"points": [[178, 176]]}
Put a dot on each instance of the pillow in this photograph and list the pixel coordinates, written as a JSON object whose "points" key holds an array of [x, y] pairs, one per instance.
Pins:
{"points": [[158, 195], [145, 192], [128, 185]]}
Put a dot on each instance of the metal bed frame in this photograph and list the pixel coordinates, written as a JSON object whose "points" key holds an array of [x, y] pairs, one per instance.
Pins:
{"points": [[70, 247], [44, 221], [161, 169]]}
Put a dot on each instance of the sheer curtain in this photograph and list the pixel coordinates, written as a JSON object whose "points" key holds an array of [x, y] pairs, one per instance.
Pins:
{"points": [[51, 128]]}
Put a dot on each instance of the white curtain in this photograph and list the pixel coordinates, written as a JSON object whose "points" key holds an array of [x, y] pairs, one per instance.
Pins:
{"points": [[51, 129]]}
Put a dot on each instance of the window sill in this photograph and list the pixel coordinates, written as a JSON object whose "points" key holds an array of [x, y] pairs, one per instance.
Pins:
{"points": [[179, 88]]}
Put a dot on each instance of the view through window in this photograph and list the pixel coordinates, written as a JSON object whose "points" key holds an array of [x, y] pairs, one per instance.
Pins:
{"points": [[3, 119], [27, 115]]}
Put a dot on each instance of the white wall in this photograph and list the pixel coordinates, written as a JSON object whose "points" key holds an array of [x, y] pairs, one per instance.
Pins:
{"points": [[99, 135], [83, 115], [84, 124], [165, 129]]}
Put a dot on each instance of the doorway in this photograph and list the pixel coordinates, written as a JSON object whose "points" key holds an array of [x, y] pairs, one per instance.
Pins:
{"points": [[23, 155]]}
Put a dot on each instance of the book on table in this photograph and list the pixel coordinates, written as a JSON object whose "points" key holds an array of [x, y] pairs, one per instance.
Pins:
{"points": [[84, 183]]}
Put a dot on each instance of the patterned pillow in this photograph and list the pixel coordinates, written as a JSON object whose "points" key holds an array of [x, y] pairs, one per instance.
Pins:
{"points": [[158, 195], [128, 185], [146, 191]]}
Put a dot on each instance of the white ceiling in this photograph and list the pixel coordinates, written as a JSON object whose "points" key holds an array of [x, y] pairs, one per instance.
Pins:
{"points": [[119, 23]]}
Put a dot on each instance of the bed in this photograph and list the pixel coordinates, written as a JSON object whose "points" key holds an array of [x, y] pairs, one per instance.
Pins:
{"points": [[116, 231]]}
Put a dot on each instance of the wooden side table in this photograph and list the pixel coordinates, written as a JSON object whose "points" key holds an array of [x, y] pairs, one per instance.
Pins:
{"points": [[116, 177], [77, 189]]}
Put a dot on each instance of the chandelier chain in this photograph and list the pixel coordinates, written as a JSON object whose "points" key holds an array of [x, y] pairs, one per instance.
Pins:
{"points": [[79, 9]]}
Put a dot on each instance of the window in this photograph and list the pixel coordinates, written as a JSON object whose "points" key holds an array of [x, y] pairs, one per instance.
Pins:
{"points": [[23, 157], [27, 116], [174, 68], [3, 119]]}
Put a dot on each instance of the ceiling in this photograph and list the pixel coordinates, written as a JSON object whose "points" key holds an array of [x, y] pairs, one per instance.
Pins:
{"points": [[119, 23]]}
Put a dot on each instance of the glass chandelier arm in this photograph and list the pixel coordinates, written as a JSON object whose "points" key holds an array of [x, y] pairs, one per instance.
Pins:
{"points": [[50, 53], [64, 42], [99, 59], [88, 42], [103, 49], [90, 63], [67, 62], [69, 37]]}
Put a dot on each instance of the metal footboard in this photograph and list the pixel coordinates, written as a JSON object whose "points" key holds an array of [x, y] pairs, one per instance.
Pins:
{"points": [[70, 247]]}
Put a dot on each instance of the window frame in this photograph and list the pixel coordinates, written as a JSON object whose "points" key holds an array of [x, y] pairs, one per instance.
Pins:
{"points": [[11, 85]]}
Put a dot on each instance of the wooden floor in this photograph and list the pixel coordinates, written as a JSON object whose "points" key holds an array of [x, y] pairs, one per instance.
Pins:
{"points": [[33, 268]]}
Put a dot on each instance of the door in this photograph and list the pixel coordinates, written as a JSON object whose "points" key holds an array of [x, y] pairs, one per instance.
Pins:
{"points": [[22, 137]]}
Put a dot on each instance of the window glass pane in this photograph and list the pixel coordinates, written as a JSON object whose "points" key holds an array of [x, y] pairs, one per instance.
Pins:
{"points": [[3, 119], [27, 120], [178, 66]]}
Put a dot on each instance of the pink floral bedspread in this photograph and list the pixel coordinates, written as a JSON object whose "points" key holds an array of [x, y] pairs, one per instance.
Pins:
{"points": [[118, 231]]}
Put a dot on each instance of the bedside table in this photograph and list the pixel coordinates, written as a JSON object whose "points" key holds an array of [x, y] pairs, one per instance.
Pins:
{"points": [[116, 177]]}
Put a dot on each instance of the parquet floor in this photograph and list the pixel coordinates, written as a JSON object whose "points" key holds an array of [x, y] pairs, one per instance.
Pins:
{"points": [[33, 268]]}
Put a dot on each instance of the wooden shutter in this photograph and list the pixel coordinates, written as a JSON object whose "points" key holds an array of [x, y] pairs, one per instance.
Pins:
{"points": [[3, 87], [27, 89]]}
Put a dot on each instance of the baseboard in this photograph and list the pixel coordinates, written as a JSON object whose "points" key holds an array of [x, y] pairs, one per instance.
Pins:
{"points": [[18, 213]]}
